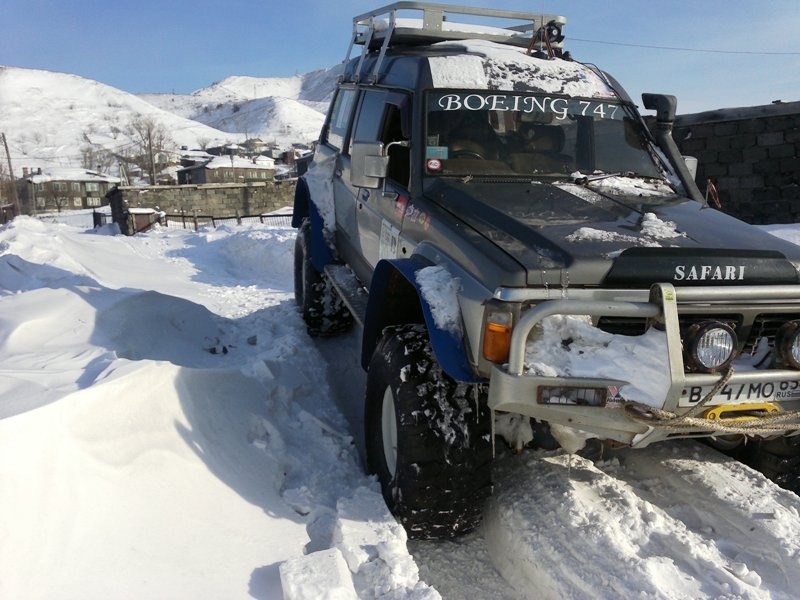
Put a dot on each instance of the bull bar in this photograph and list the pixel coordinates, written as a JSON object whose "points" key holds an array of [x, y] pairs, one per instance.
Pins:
{"points": [[512, 390]]}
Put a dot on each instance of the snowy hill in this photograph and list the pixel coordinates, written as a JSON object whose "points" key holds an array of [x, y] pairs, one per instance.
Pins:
{"points": [[284, 110], [314, 89], [273, 119], [50, 118]]}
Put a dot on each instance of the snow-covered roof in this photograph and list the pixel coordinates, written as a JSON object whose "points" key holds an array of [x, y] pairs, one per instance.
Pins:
{"points": [[71, 174], [236, 162], [486, 65], [195, 153]]}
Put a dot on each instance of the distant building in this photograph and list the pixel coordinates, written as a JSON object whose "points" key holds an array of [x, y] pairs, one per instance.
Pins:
{"points": [[255, 146], [228, 169], [63, 188], [227, 150]]}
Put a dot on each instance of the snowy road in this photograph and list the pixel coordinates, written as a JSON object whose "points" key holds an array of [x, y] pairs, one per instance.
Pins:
{"points": [[167, 429]]}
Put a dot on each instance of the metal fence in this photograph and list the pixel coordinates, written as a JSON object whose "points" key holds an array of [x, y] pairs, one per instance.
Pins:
{"points": [[194, 222]]}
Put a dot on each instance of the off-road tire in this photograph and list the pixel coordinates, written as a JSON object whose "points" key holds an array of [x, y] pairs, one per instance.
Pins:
{"points": [[323, 310], [442, 472]]}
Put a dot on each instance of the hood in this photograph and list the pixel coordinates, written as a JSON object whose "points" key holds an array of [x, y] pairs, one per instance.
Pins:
{"points": [[629, 235]]}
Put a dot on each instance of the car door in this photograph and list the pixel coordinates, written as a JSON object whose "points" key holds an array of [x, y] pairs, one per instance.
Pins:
{"points": [[383, 117]]}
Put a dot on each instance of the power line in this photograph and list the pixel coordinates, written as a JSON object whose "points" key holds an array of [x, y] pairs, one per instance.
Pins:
{"points": [[677, 48]]}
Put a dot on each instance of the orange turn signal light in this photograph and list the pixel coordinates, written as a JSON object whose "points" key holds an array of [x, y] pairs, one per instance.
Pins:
{"points": [[496, 342]]}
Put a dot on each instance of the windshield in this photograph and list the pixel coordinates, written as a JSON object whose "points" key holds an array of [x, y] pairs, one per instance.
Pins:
{"points": [[491, 133]]}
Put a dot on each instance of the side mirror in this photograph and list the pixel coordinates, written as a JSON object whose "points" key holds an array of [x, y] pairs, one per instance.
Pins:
{"points": [[368, 165]]}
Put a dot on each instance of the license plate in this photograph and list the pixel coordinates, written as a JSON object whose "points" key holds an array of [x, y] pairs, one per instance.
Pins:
{"points": [[743, 392]]}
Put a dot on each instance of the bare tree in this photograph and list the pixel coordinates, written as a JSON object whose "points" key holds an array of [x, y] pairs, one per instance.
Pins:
{"points": [[94, 157], [151, 143]]}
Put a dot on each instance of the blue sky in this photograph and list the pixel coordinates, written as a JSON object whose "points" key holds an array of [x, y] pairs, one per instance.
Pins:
{"points": [[181, 46]]}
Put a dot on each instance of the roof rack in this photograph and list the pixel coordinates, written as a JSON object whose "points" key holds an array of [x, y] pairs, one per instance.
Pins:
{"points": [[381, 28]]}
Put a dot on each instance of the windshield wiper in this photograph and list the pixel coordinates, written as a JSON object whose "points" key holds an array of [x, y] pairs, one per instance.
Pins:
{"points": [[587, 179]]}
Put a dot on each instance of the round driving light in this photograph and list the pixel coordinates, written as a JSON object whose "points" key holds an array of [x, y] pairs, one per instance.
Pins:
{"points": [[787, 344], [710, 346]]}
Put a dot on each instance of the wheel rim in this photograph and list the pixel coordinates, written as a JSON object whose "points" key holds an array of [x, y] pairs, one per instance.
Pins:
{"points": [[389, 431]]}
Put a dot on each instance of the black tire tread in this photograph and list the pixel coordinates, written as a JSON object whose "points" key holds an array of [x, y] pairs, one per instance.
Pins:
{"points": [[441, 481]]}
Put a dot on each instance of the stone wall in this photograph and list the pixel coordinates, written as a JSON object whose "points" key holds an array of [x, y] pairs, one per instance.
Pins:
{"points": [[753, 157], [216, 200]]}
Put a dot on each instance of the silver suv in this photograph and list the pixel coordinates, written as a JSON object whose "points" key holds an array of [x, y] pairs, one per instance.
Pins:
{"points": [[526, 258]]}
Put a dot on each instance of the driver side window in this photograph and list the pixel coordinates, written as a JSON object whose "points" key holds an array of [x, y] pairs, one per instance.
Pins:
{"points": [[380, 118]]}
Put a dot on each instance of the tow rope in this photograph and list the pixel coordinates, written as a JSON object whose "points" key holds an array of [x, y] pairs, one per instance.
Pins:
{"points": [[762, 422]]}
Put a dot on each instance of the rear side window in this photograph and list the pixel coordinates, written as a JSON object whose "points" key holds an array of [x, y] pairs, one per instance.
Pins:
{"points": [[340, 118]]}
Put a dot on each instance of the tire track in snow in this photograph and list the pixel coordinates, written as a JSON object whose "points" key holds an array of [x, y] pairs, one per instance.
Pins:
{"points": [[560, 527], [747, 517]]}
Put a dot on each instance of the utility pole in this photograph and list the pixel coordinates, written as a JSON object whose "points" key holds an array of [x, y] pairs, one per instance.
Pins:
{"points": [[152, 159], [11, 174]]}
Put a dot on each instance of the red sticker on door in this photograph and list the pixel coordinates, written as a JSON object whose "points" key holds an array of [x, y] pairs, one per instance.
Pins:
{"points": [[434, 164]]}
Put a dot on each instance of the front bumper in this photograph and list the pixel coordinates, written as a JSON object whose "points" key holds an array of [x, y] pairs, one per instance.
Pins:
{"points": [[512, 390]]}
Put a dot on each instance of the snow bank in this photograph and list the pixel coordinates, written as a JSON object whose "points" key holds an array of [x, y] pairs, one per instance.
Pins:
{"points": [[165, 426]]}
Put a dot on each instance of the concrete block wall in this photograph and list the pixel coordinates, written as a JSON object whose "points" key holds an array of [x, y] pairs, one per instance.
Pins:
{"points": [[216, 200], [753, 157]]}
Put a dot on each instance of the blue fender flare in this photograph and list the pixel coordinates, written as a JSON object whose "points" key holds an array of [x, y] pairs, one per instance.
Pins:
{"points": [[304, 208], [393, 304]]}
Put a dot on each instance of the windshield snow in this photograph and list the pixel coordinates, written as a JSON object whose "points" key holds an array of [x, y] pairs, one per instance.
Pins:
{"points": [[502, 134]]}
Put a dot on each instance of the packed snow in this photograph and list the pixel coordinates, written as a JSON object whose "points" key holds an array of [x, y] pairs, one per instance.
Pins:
{"points": [[168, 430]]}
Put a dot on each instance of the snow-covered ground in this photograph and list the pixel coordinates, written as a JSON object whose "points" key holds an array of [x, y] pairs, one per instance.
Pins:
{"points": [[168, 430]]}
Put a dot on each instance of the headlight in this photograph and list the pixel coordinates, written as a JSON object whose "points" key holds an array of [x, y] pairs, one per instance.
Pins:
{"points": [[787, 344], [709, 346]]}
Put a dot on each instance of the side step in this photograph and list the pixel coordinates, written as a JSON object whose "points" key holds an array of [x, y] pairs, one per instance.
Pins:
{"points": [[350, 289]]}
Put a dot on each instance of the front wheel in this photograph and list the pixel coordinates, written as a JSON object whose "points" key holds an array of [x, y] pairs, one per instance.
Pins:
{"points": [[428, 438], [323, 310]]}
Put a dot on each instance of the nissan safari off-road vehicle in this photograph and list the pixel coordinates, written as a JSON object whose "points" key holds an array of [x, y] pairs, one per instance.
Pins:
{"points": [[526, 258]]}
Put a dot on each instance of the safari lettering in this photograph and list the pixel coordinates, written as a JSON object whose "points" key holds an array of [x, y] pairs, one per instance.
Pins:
{"points": [[709, 272]]}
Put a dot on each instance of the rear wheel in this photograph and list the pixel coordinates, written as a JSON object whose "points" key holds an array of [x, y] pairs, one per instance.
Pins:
{"points": [[427, 438], [323, 310]]}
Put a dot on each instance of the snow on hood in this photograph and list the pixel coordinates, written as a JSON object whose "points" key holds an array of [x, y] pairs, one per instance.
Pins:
{"points": [[653, 231]]}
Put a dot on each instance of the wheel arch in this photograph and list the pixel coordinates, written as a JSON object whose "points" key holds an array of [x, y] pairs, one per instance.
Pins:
{"points": [[395, 298]]}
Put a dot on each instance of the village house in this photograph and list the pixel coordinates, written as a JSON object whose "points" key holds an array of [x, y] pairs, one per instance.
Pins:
{"points": [[63, 188], [228, 169]]}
